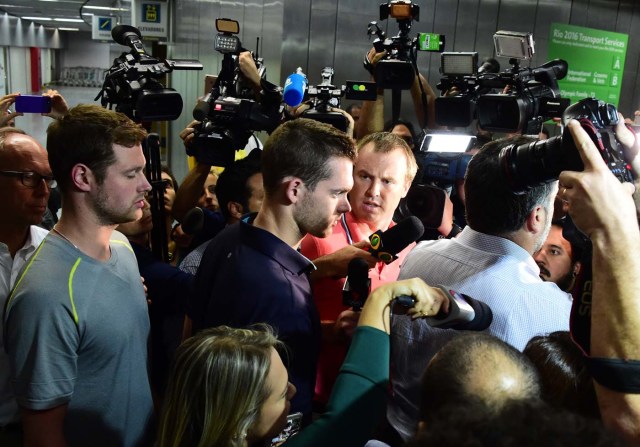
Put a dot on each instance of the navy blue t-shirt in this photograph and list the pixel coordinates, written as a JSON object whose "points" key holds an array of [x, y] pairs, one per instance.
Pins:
{"points": [[248, 275]]}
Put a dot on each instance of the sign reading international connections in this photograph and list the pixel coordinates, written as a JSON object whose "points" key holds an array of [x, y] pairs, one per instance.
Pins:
{"points": [[596, 61]]}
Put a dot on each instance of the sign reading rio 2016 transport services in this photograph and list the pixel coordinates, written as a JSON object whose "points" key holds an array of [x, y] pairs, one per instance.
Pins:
{"points": [[596, 61]]}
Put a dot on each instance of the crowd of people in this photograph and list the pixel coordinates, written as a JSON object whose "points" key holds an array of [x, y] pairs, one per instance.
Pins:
{"points": [[241, 337]]}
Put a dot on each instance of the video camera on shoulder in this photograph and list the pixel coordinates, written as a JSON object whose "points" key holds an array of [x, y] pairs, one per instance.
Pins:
{"points": [[515, 100], [529, 165], [230, 113], [397, 70], [132, 83]]}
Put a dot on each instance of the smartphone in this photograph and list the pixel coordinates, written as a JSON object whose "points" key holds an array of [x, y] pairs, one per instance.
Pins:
{"points": [[33, 104], [294, 423]]}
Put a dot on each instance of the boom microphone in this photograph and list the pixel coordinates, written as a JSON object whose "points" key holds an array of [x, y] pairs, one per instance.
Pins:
{"points": [[386, 245], [294, 88]]}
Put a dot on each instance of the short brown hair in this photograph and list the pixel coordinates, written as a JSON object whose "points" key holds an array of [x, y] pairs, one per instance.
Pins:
{"points": [[384, 142], [86, 134], [302, 148]]}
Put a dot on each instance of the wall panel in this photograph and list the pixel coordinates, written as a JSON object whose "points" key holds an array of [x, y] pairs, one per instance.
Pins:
{"points": [[316, 33]]}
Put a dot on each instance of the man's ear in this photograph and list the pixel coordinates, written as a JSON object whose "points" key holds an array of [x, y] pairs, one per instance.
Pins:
{"points": [[235, 210], [293, 189], [536, 220], [577, 266], [82, 177]]}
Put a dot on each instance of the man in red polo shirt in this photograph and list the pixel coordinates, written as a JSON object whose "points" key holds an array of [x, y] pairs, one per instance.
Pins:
{"points": [[382, 175]]}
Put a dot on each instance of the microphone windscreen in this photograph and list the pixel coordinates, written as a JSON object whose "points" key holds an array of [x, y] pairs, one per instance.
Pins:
{"points": [[201, 110], [358, 273], [121, 32], [193, 221], [482, 319], [398, 237], [294, 88]]}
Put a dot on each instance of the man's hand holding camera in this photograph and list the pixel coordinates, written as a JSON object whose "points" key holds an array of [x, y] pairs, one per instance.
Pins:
{"points": [[596, 198]]}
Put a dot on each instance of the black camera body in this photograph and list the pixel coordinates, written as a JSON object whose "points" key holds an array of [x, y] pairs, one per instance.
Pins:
{"points": [[132, 83], [515, 100], [396, 70], [322, 97], [230, 114], [539, 162]]}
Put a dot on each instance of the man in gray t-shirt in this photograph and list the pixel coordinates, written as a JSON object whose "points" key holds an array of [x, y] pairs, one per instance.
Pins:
{"points": [[76, 322]]}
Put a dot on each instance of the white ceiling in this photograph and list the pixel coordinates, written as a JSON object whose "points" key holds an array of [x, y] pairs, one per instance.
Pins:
{"points": [[66, 9]]}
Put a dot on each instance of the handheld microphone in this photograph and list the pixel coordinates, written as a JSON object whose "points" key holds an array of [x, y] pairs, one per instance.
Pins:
{"points": [[357, 285], [465, 313], [385, 245], [294, 88], [193, 221]]}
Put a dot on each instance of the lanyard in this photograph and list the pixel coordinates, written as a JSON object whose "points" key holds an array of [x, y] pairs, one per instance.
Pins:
{"points": [[343, 221]]}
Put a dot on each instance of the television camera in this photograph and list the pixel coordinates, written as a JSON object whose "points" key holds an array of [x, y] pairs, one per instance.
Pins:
{"points": [[515, 100], [324, 96], [230, 113], [132, 83], [397, 69]]}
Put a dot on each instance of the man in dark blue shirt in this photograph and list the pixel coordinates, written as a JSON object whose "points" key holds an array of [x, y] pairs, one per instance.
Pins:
{"points": [[252, 272]]}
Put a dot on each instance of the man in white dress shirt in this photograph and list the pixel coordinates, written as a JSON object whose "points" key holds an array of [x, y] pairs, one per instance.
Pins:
{"points": [[491, 261], [25, 180]]}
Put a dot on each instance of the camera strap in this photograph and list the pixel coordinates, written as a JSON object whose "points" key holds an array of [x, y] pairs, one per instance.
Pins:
{"points": [[620, 375]]}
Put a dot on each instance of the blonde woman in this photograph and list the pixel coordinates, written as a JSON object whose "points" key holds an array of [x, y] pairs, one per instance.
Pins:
{"points": [[229, 387]]}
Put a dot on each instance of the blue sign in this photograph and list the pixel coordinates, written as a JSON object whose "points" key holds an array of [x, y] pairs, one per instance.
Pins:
{"points": [[151, 12], [105, 23]]}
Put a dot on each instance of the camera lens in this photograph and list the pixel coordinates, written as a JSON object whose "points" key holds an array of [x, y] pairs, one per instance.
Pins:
{"points": [[532, 164]]}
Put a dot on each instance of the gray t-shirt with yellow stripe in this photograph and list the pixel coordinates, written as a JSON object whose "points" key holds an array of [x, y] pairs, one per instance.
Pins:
{"points": [[76, 332]]}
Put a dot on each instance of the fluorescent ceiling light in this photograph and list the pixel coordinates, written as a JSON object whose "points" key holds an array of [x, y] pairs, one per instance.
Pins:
{"points": [[69, 29], [63, 19], [105, 8], [37, 19]]}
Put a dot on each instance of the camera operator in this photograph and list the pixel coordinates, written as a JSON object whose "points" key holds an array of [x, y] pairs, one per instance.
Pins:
{"points": [[603, 208], [194, 182], [372, 113]]}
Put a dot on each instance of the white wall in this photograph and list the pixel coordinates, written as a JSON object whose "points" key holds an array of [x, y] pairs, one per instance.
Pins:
{"points": [[19, 70], [82, 51]]}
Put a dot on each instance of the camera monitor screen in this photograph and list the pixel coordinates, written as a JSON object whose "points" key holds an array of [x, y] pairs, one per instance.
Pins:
{"points": [[447, 143]]}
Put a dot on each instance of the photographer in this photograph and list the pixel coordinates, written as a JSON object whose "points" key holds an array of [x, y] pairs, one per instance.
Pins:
{"points": [[372, 113], [603, 208]]}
